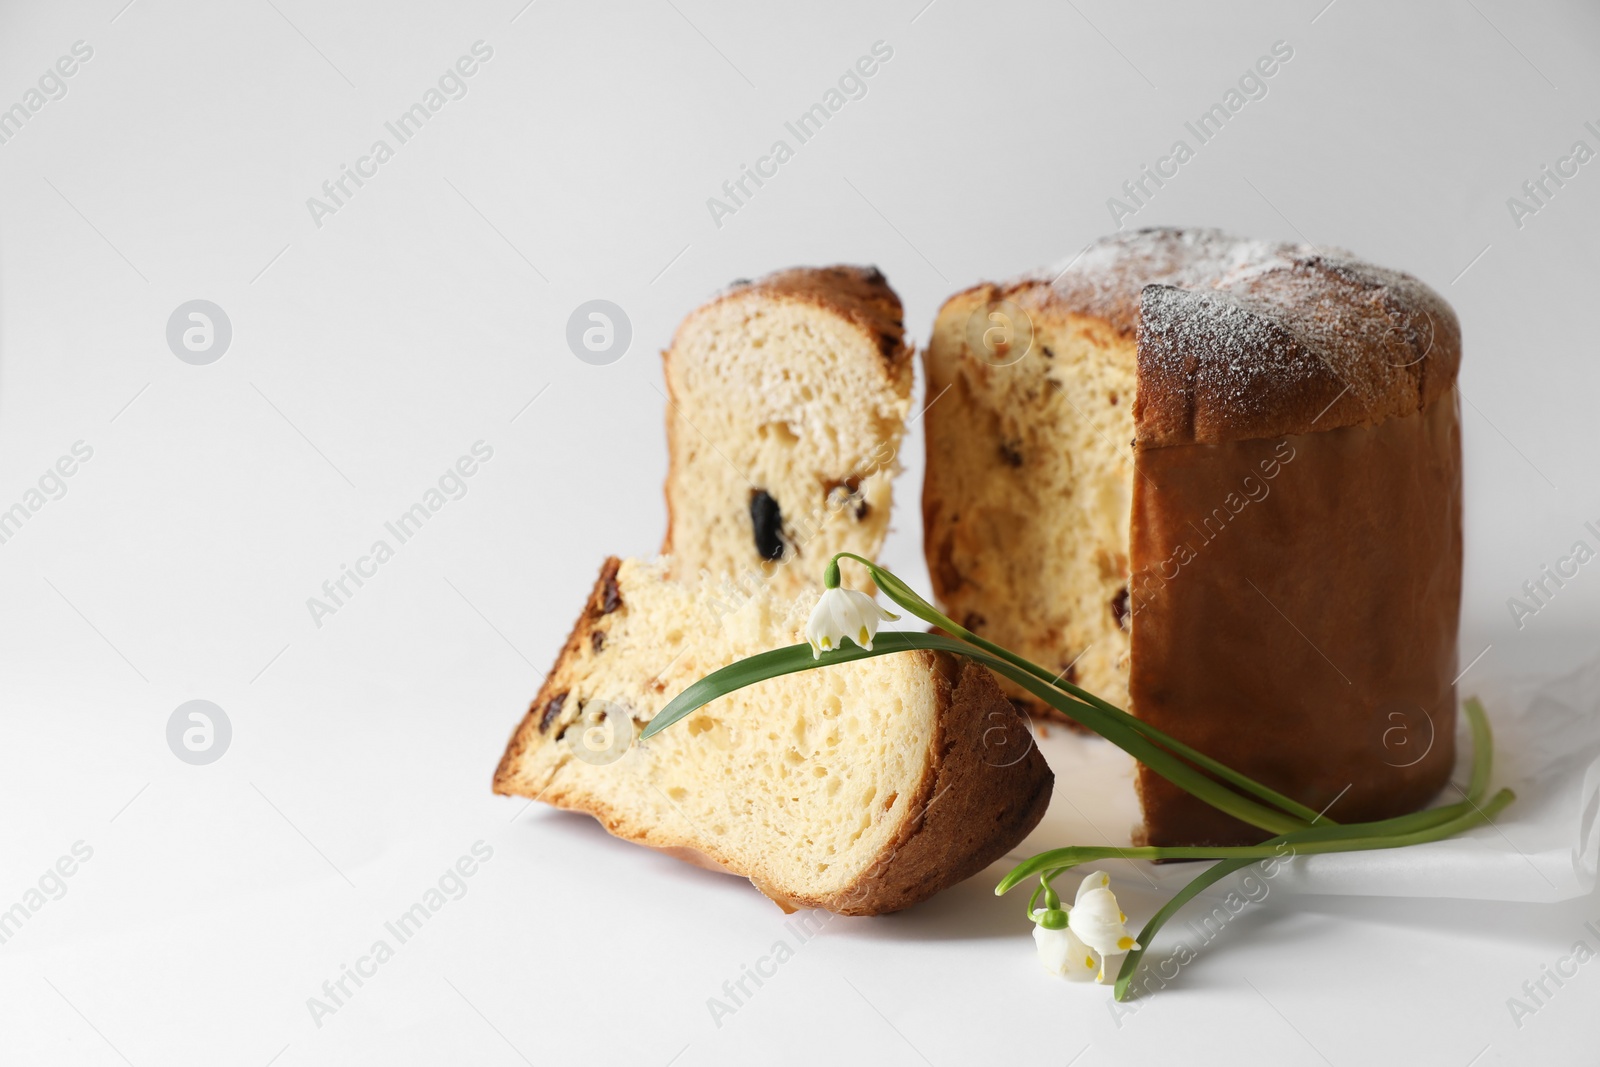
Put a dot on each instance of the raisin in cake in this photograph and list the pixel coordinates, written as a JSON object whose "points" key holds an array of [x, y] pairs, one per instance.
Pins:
{"points": [[1217, 481], [788, 398], [862, 788]]}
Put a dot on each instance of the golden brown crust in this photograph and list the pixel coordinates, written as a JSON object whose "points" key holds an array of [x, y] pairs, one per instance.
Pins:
{"points": [[1243, 339], [986, 785], [1295, 605], [604, 598], [1301, 629], [860, 294]]}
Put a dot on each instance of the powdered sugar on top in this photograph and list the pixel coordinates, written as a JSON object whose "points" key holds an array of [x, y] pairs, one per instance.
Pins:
{"points": [[1246, 328], [1107, 276]]}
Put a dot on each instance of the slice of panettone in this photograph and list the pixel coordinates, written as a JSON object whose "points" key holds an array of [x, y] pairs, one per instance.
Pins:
{"points": [[788, 398], [862, 787]]}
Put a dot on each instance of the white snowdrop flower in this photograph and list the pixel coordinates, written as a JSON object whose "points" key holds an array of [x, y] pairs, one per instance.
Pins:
{"points": [[1097, 920], [842, 614], [1062, 953]]}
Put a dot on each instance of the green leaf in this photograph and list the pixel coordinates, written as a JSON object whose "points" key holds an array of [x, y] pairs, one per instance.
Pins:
{"points": [[1397, 827], [1433, 825], [903, 595], [1130, 962], [1342, 837], [783, 661], [759, 668]]}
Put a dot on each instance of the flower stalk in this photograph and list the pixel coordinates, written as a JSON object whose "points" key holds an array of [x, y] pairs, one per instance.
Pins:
{"points": [[844, 628]]}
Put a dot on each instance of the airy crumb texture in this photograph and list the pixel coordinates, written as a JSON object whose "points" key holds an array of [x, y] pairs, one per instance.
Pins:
{"points": [[862, 787], [1027, 494], [789, 397]]}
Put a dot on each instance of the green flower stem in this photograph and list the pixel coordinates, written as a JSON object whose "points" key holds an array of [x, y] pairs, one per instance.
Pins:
{"points": [[1130, 963], [1033, 899], [795, 658], [1482, 765], [1482, 750], [1463, 816], [1419, 827], [1147, 751], [1418, 821], [906, 597], [1293, 824]]}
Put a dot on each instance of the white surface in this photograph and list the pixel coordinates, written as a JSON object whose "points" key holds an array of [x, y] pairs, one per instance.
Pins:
{"points": [[370, 353]]}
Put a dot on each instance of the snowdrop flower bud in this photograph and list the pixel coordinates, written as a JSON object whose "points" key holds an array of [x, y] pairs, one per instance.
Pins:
{"points": [[841, 614]]}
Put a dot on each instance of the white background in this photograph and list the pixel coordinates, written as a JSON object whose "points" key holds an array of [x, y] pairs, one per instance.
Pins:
{"points": [[372, 351]]}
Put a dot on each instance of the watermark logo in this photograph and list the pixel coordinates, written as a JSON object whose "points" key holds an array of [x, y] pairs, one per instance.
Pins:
{"points": [[198, 732], [1540, 190], [599, 332], [1147, 583], [451, 885], [452, 484], [1564, 970], [51, 885], [338, 191], [1405, 339], [1006, 739], [737, 192], [1138, 191], [1155, 975], [199, 332], [52, 485], [1000, 333], [1407, 736], [741, 989], [51, 86], [602, 733], [1539, 591]]}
